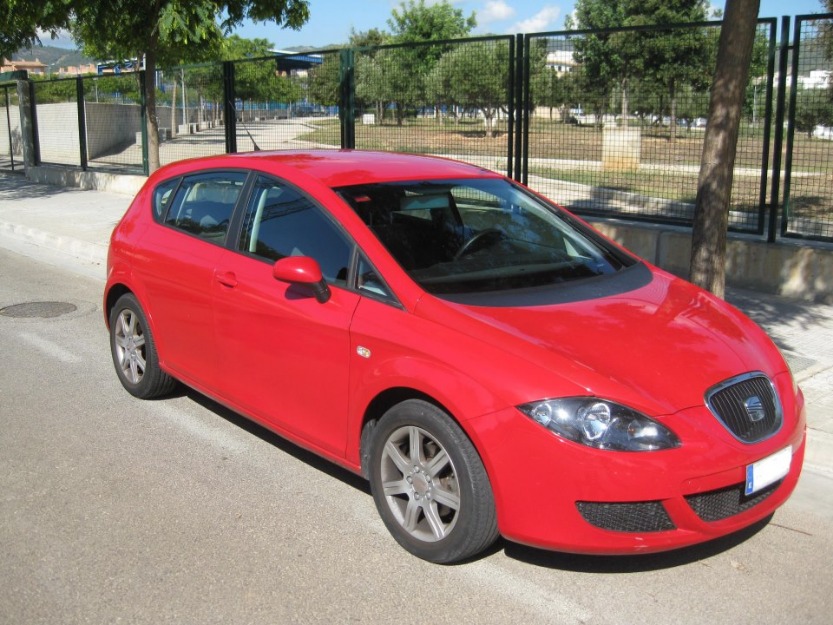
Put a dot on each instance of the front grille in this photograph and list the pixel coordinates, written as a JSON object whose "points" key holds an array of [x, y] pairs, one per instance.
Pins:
{"points": [[748, 406], [647, 516], [720, 504]]}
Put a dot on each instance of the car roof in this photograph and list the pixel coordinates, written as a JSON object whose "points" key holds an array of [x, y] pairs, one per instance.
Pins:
{"points": [[337, 168]]}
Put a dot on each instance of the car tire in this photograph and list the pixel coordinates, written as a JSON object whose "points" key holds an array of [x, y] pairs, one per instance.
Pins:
{"points": [[429, 484], [134, 351]]}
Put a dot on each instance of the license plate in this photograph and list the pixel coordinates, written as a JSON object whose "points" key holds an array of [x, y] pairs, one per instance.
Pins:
{"points": [[768, 471]]}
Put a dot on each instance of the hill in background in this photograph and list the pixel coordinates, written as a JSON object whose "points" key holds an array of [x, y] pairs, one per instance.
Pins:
{"points": [[53, 57]]}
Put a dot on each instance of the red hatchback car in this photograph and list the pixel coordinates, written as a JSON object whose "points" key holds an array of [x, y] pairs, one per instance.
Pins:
{"points": [[487, 360]]}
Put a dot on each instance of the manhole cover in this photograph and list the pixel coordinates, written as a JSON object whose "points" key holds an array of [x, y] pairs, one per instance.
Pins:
{"points": [[38, 309]]}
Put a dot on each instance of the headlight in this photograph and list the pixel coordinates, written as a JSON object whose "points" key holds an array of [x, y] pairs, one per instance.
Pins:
{"points": [[601, 424]]}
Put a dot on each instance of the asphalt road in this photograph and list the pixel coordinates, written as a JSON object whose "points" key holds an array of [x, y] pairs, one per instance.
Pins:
{"points": [[114, 510]]}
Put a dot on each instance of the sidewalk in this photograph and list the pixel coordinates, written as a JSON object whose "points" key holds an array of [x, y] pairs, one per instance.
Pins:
{"points": [[71, 228]]}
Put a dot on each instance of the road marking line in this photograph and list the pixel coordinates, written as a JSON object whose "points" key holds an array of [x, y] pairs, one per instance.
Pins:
{"points": [[192, 425], [49, 348], [550, 604]]}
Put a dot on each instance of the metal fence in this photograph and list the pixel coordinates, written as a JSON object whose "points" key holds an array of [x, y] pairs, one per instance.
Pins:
{"points": [[617, 121], [607, 122], [807, 209], [452, 98], [10, 148]]}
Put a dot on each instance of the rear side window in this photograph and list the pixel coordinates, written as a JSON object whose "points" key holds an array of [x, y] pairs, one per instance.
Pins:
{"points": [[162, 197], [203, 204], [280, 222]]}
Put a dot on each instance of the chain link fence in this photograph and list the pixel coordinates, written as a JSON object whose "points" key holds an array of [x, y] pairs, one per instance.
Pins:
{"points": [[618, 117]]}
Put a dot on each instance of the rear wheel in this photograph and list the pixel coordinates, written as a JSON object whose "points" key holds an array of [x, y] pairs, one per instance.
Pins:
{"points": [[134, 352], [429, 484]]}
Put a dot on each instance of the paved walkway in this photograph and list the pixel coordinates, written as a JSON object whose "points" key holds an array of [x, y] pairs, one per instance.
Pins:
{"points": [[71, 228]]}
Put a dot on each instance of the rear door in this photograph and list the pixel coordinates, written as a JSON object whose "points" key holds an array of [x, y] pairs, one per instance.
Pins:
{"points": [[177, 269]]}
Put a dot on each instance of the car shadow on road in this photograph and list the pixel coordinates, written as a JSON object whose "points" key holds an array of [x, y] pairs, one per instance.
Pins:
{"points": [[631, 563], [284, 445]]}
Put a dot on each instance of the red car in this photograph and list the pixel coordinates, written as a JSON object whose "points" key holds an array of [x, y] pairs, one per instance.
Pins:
{"points": [[487, 360]]}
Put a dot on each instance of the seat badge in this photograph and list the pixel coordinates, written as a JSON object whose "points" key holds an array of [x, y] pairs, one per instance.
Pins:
{"points": [[754, 408], [363, 352]]}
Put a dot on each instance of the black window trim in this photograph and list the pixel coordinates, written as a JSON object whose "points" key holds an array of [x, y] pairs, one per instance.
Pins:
{"points": [[235, 211], [356, 253]]}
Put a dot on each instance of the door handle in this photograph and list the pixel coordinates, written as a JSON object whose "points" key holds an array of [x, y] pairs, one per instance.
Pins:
{"points": [[226, 278]]}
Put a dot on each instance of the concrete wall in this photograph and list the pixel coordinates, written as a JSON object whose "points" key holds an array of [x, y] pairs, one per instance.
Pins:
{"points": [[13, 119], [58, 133], [791, 268], [110, 127]]}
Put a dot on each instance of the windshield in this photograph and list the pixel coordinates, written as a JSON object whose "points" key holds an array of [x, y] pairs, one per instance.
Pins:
{"points": [[479, 235]]}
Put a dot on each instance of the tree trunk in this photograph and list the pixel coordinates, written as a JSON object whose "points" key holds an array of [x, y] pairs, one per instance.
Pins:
{"points": [[625, 102], [150, 104], [173, 112], [673, 112], [714, 186]]}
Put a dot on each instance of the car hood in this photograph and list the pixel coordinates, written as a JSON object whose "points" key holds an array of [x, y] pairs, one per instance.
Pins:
{"points": [[658, 347]]}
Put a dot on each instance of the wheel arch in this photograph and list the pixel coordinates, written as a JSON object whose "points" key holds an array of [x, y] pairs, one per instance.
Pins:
{"points": [[114, 292], [387, 399], [378, 406]]}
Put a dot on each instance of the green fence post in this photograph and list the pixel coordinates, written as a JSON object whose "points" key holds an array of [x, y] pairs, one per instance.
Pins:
{"points": [[788, 162], [229, 109], [347, 97], [521, 146], [774, 200], [82, 122]]}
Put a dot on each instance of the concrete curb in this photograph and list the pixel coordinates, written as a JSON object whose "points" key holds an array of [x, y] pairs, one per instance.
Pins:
{"points": [[82, 250]]}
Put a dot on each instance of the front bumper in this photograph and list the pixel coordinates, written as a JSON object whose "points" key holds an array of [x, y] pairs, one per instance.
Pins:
{"points": [[555, 494]]}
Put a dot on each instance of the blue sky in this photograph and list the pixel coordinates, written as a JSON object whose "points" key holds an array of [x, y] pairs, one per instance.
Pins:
{"points": [[332, 20]]}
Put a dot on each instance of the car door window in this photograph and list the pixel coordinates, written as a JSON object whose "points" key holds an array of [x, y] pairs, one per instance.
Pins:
{"points": [[162, 197], [204, 203], [281, 222], [370, 283]]}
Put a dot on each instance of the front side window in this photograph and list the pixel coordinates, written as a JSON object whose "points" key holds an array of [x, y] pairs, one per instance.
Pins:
{"points": [[281, 222], [479, 235], [204, 203]]}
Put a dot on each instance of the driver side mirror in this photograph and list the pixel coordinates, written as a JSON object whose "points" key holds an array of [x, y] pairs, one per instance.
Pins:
{"points": [[302, 270]]}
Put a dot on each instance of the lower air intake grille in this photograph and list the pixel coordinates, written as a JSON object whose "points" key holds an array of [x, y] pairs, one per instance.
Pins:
{"points": [[648, 516], [721, 504]]}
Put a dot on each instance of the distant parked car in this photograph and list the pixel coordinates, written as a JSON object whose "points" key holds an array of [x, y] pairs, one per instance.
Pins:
{"points": [[487, 360], [305, 110]]}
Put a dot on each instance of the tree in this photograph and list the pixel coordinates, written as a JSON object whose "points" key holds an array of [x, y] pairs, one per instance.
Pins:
{"points": [[416, 22], [257, 80], [325, 80], [408, 67], [168, 32], [20, 21], [714, 185], [675, 59], [474, 75], [813, 108], [631, 59]]}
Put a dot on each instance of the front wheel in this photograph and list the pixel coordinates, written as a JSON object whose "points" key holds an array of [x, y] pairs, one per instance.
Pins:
{"points": [[429, 484], [134, 351]]}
